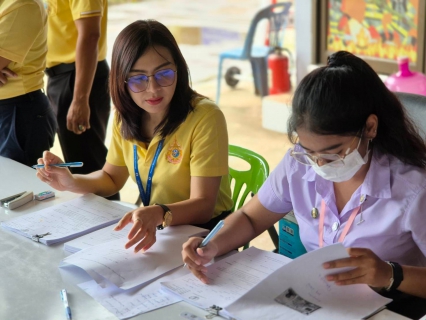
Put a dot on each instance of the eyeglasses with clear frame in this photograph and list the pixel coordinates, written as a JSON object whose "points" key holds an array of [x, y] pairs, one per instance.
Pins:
{"points": [[332, 159], [140, 82]]}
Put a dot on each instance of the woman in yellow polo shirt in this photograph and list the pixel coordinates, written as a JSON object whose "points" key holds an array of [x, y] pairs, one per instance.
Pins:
{"points": [[172, 141]]}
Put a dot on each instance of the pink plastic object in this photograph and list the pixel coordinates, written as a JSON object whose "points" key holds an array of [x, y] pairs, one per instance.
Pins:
{"points": [[405, 80]]}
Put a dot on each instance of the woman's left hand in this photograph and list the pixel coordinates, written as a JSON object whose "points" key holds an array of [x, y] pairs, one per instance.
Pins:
{"points": [[145, 221], [369, 269]]}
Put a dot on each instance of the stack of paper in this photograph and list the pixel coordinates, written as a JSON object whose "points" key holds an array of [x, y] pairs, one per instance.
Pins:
{"points": [[67, 220], [124, 268], [245, 286], [124, 282], [140, 299], [97, 237]]}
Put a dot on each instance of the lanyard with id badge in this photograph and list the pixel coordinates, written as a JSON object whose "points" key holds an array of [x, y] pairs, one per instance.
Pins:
{"points": [[146, 195]]}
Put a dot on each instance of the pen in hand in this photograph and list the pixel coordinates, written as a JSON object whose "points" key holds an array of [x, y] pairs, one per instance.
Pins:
{"points": [[212, 233], [66, 164], [66, 306]]}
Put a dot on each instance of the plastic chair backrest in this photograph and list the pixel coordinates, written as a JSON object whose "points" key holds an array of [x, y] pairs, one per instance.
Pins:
{"points": [[252, 178], [277, 14], [416, 107]]}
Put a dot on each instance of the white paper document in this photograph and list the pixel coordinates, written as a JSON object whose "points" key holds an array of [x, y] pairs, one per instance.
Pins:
{"points": [[294, 290], [67, 220], [229, 278], [129, 303], [127, 269], [97, 237]]}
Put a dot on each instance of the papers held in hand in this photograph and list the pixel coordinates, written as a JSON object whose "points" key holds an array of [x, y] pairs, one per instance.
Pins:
{"points": [[256, 284]]}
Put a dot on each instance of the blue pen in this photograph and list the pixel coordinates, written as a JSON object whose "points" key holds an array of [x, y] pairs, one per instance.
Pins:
{"points": [[65, 301], [210, 235], [66, 164]]}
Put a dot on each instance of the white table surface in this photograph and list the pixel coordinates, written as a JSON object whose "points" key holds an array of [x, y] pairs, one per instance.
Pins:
{"points": [[30, 280]]}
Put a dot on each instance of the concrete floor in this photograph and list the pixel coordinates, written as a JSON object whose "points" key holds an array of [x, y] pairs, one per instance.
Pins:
{"points": [[242, 108]]}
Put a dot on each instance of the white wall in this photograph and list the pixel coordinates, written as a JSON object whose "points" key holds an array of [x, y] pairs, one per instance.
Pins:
{"points": [[303, 22]]}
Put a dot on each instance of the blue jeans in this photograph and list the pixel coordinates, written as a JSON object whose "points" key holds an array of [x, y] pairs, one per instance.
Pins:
{"points": [[27, 127]]}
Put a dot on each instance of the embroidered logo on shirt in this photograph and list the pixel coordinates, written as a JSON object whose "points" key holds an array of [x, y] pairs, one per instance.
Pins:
{"points": [[174, 153]]}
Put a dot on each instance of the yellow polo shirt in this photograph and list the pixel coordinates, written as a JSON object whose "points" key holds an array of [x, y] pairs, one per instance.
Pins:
{"points": [[23, 41], [62, 35], [198, 148]]}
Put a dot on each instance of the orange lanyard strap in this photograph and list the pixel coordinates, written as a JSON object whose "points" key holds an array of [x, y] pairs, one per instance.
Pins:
{"points": [[321, 224]]}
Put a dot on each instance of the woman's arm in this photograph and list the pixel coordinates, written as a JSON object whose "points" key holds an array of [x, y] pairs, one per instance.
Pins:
{"points": [[370, 269], [104, 182], [240, 227], [197, 209], [244, 225]]}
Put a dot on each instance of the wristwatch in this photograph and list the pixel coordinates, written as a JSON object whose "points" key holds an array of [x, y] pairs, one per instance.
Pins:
{"points": [[167, 218]]}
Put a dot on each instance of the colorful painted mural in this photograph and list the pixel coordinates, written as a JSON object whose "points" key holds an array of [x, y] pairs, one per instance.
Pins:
{"points": [[383, 29]]}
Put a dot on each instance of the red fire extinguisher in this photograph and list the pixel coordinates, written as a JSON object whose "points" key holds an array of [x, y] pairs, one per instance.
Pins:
{"points": [[279, 66]]}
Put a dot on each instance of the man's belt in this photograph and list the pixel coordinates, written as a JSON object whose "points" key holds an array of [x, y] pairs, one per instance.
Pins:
{"points": [[102, 69], [59, 69]]}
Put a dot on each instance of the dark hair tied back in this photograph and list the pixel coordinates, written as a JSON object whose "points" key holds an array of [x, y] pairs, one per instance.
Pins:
{"points": [[338, 59], [337, 100]]}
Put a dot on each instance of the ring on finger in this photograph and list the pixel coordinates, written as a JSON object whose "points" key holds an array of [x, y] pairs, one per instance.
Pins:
{"points": [[81, 127], [137, 219]]}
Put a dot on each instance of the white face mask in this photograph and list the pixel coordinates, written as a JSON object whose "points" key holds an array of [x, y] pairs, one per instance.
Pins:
{"points": [[352, 163]]}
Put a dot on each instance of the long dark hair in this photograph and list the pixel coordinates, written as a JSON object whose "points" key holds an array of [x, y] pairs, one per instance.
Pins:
{"points": [[337, 100], [129, 46]]}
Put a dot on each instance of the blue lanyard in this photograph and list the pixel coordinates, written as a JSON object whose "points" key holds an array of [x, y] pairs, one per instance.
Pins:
{"points": [[146, 196]]}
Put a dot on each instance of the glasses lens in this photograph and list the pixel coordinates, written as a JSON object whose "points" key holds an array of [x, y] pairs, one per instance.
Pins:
{"points": [[138, 83], [303, 158], [165, 77]]}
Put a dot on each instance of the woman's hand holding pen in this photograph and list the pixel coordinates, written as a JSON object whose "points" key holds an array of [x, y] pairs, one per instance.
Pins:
{"points": [[58, 178], [369, 269], [196, 258], [145, 221]]}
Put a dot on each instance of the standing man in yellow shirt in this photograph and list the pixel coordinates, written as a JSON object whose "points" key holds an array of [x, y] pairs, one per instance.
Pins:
{"points": [[78, 79], [27, 123]]}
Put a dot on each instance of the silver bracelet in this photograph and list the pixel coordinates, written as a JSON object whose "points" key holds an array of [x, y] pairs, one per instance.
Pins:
{"points": [[391, 279]]}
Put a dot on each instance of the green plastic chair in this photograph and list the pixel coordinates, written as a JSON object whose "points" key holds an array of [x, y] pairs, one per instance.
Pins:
{"points": [[252, 179]]}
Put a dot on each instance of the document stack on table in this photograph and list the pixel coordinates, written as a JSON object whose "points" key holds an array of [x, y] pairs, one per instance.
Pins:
{"points": [[97, 237], [128, 303], [256, 284], [67, 220], [124, 282]]}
